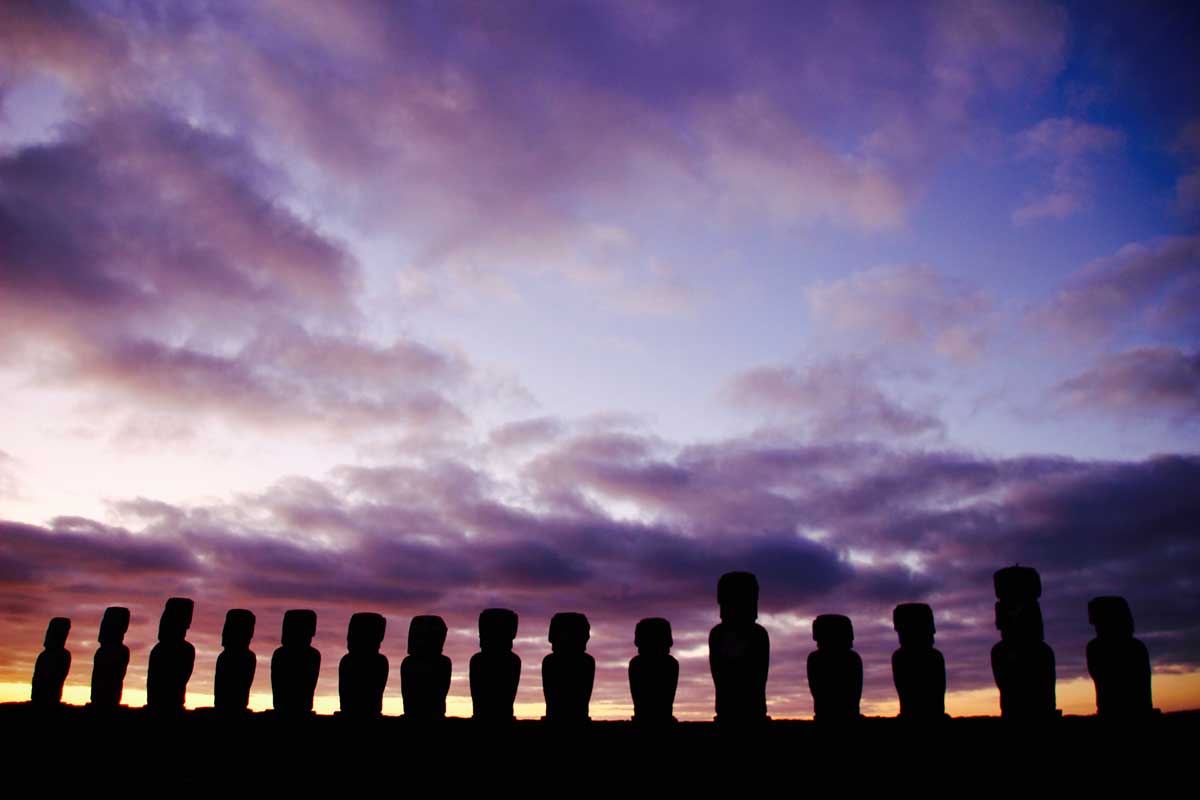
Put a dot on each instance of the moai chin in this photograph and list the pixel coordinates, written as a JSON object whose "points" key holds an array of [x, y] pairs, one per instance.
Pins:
{"points": [[425, 671], [495, 670], [236, 664], [739, 652], [172, 659], [1022, 662], [568, 671], [918, 668], [295, 664], [835, 671], [363, 671], [653, 672], [53, 664], [1118, 663], [111, 660]]}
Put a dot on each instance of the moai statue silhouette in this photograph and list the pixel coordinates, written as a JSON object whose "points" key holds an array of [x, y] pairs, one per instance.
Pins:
{"points": [[172, 659], [1118, 663], [53, 664], [653, 672], [495, 669], [835, 671], [569, 671], [295, 664], [1022, 662], [236, 664], [918, 668], [112, 659], [425, 671], [739, 652], [363, 671]]}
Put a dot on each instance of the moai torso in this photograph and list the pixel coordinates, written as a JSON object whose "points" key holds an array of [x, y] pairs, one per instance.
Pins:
{"points": [[739, 652], [653, 672], [425, 672], [918, 668], [569, 671], [835, 671], [1022, 662], [172, 659], [495, 669], [236, 664], [53, 664], [1118, 663], [111, 660], [296, 664], [363, 671]]}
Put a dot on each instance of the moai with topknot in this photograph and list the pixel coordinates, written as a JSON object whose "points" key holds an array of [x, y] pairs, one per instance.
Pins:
{"points": [[569, 671], [1118, 663], [1022, 662], [112, 659], [172, 659], [739, 652], [495, 669], [295, 664], [835, 671], [53, 664], [653, 672], [425, 671], [918, 668], [363, 671], [236, 664]]}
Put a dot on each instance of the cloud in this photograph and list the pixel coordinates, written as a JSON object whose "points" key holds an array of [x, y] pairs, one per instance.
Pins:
{"points": [[1138, 381], [1070, 146]]}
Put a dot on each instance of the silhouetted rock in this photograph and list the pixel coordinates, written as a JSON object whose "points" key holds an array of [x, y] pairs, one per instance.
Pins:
{"points": [[495, 669], [425, 672], [53, 664], [569, 670], [918, 668], [111, 660], [835, 671], [1022, 662], [739, 652], [653, 672], [363, 671], [1118, 663], [295, 664], [172, 659], [236, 664]]}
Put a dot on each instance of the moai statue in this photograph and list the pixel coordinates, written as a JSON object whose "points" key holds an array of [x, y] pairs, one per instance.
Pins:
{"points": [[1022, 662], [918, 668], [172, 659], [53, 664], [295, 664], [363, 671], [653, 672], [236, 664], [495, 669], [425, 671], [569, 671], [112, 659], [739, 652], [1118, 663], [835, 671]]}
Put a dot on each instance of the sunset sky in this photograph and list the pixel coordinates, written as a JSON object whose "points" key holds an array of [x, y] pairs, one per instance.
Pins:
{"points": [[426, 307]]}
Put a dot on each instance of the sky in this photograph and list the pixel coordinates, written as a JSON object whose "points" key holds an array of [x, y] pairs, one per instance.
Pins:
{"points": [[429, 307]]}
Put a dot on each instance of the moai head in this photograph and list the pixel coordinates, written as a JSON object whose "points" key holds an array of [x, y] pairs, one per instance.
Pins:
{"points": [[652, 636], [737, 595], [56, 633], [299, 627], [1111, 617], [365, 634], [175, 620], [426, 636], [1019, 621], [833, 632], [497, 629], [113, 625], [914, 624], [238, 629], [569, 632], [1017, 583]]}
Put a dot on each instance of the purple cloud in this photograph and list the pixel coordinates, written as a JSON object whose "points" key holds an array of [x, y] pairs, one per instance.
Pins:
{"points": [[1135, 381]]}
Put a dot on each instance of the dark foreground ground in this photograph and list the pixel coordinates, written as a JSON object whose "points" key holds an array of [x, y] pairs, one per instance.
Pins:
{"points": [[141, 754]]}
